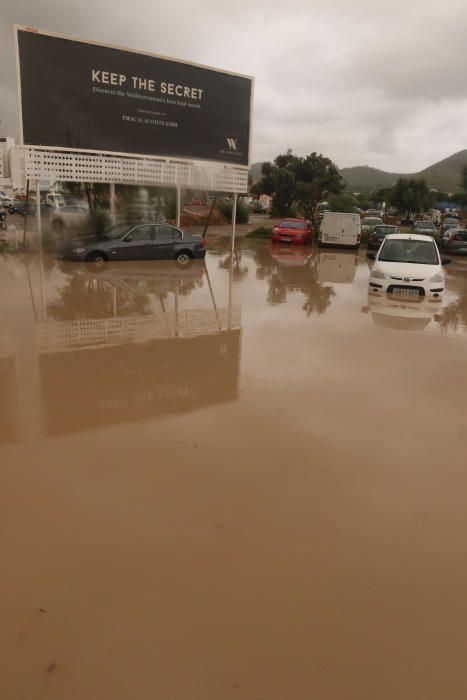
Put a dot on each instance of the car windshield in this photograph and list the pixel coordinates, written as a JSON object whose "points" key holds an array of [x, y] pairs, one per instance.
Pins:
{"points": [[292, 224], [383, 230], [370, 220], [116, 231], [407, 250]]}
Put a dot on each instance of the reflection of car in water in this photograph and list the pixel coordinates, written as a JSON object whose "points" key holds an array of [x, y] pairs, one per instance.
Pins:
{"points": [[291, 256], [401, 315], [336, 266], [141, 277]]}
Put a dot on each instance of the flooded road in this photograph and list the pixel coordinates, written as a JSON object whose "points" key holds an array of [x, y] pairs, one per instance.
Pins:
{"points": [[241, 480]]}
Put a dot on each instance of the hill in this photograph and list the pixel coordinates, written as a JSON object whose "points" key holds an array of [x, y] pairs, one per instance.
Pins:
{"points": [[255, 171], [363, 178], [444, 175]]}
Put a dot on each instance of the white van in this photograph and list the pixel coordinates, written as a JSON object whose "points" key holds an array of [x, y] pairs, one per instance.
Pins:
{"points": [[54, 200], [340, 230]]}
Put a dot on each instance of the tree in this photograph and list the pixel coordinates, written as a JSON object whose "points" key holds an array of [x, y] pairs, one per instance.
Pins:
{"points": [[411, 196], [294, 181], [344, 202]]}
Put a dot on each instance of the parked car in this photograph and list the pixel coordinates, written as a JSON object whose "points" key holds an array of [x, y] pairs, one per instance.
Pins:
{"points": [[450, 222], [13, 206], [340, 229], [293, 231], [408, 266], [2, 213], [54, 200], [7, 202], [70, 217], [135, 242], [369, 222], [261, 208], [374, 212], [456, 243], [427, 228], [378, 235]]}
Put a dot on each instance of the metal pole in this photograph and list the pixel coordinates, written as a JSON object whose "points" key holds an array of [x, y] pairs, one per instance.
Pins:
{"points": [[38, 213], [179, 204], [212, 296], [112, 201], [234, 220], [208, 220], [39, 233], [25, 212], [230, 290]]}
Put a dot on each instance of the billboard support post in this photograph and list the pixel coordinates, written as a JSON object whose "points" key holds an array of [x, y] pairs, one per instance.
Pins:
{"points": [[179, 197], [234, 220], [38, 213], [112, 201]]}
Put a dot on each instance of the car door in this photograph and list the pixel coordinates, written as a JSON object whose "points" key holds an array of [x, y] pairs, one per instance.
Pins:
{"points": [[461, 243], [137, 244], [164, 242]]}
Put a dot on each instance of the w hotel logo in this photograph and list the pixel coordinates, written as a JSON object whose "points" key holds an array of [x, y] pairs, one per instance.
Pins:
{"points": [[232, 144]]}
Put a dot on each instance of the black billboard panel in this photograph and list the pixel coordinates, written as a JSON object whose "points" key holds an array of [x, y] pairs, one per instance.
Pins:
{"points": [[82, 96]]}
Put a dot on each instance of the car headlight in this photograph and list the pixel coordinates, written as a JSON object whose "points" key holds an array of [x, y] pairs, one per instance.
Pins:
{"points": [[79, 250], [437, 278], [377, 274]]}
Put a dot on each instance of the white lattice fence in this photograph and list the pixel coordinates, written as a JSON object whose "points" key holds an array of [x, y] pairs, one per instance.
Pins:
{"points": [[62, 166], [60, 335]]}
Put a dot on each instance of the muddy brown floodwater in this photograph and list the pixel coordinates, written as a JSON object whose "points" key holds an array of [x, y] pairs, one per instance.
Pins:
{"points": [[244, 480]]}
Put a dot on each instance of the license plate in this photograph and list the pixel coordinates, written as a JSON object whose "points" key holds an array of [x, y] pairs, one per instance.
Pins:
{"points": [[285, 240], [401, 292]]}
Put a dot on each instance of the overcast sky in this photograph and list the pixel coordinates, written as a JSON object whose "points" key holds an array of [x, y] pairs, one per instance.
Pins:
{"points": [[378, 82]]}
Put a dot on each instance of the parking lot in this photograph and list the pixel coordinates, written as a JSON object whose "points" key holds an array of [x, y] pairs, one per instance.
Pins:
{"points": [[247, 469]]}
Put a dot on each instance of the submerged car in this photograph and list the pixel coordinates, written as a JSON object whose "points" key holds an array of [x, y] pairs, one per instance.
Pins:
{"points": [[293, 231], [378, 235], [456, 241], [135, 242], [409, 266], [427, 228], [369, 223]]}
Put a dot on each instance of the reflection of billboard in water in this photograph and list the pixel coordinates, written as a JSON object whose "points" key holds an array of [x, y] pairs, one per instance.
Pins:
{"points": [[8, 400], [95, 387]]}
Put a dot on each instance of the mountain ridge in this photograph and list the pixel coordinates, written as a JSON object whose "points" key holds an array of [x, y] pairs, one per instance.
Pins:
{"points": [[444, 175]]}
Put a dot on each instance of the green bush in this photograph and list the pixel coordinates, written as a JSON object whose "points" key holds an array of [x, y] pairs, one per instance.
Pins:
{"points": [[261, 232], [243, 213]]}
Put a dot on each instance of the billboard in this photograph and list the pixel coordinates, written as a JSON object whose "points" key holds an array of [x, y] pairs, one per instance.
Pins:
{"points": [[75, 95]]}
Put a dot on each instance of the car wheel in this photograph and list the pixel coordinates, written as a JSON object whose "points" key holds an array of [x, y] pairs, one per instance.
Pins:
{"points": [[11, 210], [184, 257], [97, 259]]}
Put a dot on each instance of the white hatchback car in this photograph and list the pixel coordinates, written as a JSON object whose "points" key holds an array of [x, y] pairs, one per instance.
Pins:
{"points": [[408, 265]]}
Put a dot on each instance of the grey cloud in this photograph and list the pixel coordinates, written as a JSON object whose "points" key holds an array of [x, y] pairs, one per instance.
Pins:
{"points": [[363, 82]]}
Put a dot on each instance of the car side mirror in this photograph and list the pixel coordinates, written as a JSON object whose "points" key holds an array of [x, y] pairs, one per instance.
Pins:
{"points": [[446, 261], [371, 256]]}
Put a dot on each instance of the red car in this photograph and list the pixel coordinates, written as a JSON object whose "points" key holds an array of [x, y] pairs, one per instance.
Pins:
{"points": [[293, 231]]}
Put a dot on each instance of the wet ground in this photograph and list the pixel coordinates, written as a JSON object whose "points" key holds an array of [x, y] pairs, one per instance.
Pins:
{"points": [[242, 480]]}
